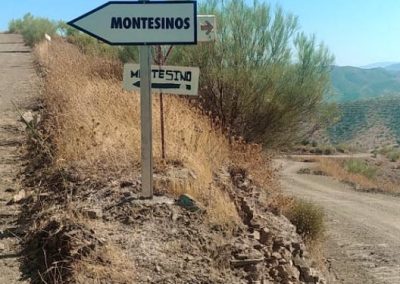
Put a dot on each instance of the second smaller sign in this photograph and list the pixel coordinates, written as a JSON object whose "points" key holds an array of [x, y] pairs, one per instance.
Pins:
{"points": [[166, 79]]}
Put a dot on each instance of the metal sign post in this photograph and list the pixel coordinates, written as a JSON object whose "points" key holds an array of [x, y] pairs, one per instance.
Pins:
{"points": [[146, 122], [160, 61]]}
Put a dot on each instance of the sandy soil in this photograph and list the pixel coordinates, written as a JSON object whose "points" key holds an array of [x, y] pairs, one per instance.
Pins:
{"points": [[17, 77], [363, 229]]}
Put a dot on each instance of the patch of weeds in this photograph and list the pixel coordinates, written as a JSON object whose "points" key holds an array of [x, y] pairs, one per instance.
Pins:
{"points": [[304, 171], [345, 148], [360, 167], [393, 155], [324, 150], [308, 219], [390, 152]]}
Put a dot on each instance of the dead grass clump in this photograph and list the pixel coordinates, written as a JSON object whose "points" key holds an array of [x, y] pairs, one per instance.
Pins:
{"points": [[335, 168], [308, 219], [257, 162], [95, 125], [108, 265], [53, 247], [360, 177], [220, 208]]}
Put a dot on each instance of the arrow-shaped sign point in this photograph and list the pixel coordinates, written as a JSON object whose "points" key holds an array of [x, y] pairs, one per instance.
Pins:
{"points": [[160, 85], [208, 27]]}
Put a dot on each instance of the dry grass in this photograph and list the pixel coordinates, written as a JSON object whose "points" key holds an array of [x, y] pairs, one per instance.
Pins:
{"points": [[258, 164], [110, 265], [336, 169], [95, 126]]}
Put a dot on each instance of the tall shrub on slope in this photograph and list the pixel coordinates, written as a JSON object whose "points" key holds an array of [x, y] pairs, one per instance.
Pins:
{"points": [[32, 28], [262, 78]]}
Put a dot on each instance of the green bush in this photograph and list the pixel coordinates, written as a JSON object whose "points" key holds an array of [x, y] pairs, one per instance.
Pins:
{"points": [[129, 54], [33, 28], [393, 155], [91, 46], [357, 166], [262, 79], [15, 26], [308, 219], [342, 148], [325, 150], [390, 152]]}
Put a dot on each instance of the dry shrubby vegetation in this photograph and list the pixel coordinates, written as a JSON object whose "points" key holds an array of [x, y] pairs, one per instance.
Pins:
{"points": [[32, 28], [93, 130], [359, 173], [308, 219], [95, 127]]}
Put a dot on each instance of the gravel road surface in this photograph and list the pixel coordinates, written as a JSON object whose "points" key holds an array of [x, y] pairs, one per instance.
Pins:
{"points": [[17, 86], [363, 229]]}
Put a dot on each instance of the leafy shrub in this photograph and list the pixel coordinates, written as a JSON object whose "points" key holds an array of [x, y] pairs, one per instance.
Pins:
{"points": [[393, 155], [15, 26], [342, 148], [305, 142], [91, 46], [356, 166], [390, 152], [262, 79], [308, 219], [88, 44], [33, 28], [324, 150], [129, 54]]}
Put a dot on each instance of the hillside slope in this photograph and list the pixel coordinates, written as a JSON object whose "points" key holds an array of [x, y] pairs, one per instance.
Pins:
{"points": [[352, 83], [210, 221], [368, 123], [393, 67]]}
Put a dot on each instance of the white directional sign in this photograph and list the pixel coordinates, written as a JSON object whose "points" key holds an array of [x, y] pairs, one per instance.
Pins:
{"points": [[139, 23], [206, 27], [166, 79], [149, 23]]}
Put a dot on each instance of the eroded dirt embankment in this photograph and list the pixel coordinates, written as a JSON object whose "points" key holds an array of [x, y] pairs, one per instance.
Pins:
{"points": [[92, 227], [363, 236], [17, 86]]}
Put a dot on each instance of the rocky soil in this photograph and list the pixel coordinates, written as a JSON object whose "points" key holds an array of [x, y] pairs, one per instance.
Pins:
{"points": [[164, 240]]}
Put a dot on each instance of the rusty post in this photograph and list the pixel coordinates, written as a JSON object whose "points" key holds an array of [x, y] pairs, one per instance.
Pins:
{"points": [[160, 62]]}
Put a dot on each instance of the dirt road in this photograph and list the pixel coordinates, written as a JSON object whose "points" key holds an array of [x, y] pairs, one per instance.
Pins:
{"points": [[17, 84], [363, 229]]}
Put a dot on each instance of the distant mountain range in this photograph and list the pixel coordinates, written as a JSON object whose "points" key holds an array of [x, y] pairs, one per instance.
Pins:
{"points": [[379, 65], [371, 81], [393, 67]]}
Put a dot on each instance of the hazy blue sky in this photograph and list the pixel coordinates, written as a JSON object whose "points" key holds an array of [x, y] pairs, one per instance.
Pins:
{"points": [[358, 32]]}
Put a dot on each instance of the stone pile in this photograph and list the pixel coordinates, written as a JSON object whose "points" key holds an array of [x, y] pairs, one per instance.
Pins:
{"points": [[273, 251]]}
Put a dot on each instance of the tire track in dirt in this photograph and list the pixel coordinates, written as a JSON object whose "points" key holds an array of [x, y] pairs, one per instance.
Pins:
{"points": [[17, 85], [363, 229]]}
